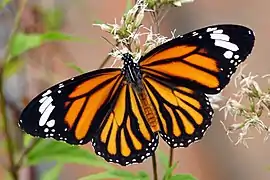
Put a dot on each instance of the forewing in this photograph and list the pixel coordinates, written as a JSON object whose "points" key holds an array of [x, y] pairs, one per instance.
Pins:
{"points": [[72, 111], [204, 59]]}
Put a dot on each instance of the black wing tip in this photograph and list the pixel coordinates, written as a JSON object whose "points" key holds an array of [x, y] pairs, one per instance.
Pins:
{"points": [[230, 25], [239, 27]]}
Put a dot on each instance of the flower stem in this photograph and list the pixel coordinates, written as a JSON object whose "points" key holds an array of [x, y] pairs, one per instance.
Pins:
{"points": [[154, 163], [171, 157], [25, 153], [9, 145]]}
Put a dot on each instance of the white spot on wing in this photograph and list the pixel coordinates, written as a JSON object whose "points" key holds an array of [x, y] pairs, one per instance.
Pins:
{"points": [[226, 45], [220, 31], [50, 123], [195, 33], [223, 37], [61, 85], [47, 93], [43, 99], [45, 104], [211, 29], [228, 54], [236, 56], [43, 119]]}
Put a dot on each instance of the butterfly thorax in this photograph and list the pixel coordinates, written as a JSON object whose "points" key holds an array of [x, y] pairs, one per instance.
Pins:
{"points": [[131, 71]]}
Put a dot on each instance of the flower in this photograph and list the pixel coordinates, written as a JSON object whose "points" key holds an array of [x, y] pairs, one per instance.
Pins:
{"points": [[129, 31], [252, 112], [129, 24]]}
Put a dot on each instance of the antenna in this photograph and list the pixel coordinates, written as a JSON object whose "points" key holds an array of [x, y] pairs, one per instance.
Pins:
{"points": [[114, 46]]}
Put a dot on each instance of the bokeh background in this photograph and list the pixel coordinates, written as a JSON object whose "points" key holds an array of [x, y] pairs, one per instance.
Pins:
{"points": [[213, 158]]}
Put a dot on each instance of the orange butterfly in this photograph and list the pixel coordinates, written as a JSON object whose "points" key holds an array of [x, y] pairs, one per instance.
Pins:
{"points": [[123, 111]]}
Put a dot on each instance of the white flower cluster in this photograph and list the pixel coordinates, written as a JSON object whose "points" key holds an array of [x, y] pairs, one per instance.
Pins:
{"points": [[257, 108], [129, 33]]}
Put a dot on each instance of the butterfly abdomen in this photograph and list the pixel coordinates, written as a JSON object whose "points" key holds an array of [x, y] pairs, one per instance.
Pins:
{"points": [[149, 111]]}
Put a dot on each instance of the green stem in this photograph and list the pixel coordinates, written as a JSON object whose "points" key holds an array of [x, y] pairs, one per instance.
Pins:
{"points": [[9, 144], [171, 157], [154, 163], [25, 153]]}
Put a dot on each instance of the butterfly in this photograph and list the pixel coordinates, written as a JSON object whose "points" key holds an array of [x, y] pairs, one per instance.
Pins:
{"points": [[123, 111]]}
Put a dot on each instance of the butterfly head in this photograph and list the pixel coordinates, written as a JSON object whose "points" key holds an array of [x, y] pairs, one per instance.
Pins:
{"points": [[127, 57]]}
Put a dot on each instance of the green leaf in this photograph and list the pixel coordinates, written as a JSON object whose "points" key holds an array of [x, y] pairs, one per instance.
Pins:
{"points": [[75, 67], [164, 159], [23, 42], [12, 66], [57, 36], [120, 174], [103, 175], [169, 171], [27, 139], [53, 173], [143, 175], [51, 150], [182, 177]]}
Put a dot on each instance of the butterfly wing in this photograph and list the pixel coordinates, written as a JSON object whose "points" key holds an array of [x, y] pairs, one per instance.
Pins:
{"points": [[126, 137], [178, 73], [73, 110], [203, 60], [98, 106], [183, 114]]}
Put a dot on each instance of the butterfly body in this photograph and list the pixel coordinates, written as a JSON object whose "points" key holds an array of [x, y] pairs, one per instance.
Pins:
{"points": [[122, 111], [133, 76], [131, 71]]}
